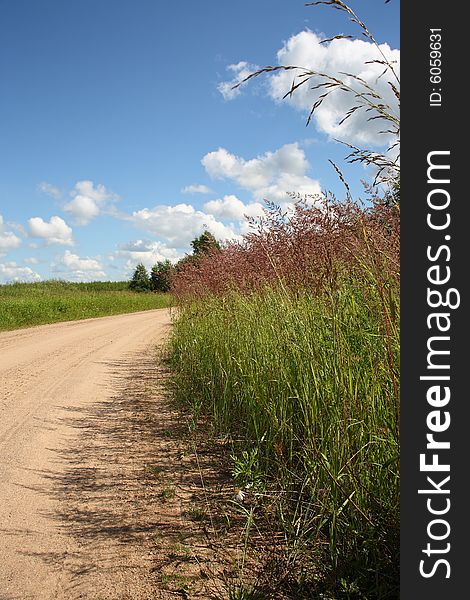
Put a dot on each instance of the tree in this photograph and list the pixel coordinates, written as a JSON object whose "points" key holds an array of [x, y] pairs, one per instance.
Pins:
{"points": [[204, 244], [140, 281], [160, 276]]}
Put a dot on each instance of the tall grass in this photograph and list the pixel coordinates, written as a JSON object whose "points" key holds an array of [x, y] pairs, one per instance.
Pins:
{"points": [[27, 304], [365, 98], [296, 356]]}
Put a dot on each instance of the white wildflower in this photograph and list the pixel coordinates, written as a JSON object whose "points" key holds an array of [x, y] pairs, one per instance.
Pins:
{"points": [[239, 495]]}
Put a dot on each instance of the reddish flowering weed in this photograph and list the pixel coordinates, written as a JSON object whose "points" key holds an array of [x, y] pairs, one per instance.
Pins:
{"points": [[316, 247]]}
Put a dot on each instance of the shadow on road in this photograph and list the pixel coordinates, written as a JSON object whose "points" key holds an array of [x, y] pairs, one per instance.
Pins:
{"points": [[126, 487]]}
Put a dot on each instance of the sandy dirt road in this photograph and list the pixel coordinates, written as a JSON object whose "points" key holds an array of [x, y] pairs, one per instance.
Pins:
{"points": [[74, 520]]}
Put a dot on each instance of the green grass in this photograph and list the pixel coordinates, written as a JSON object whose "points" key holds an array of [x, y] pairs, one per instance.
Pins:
{"points": [[308, 385], [28, 304]]}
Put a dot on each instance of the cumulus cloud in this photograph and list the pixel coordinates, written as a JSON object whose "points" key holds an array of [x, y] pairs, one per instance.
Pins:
{"points": [[257, 172], [269, 176], [89, 201], [56, 231], [230, 207], [196, 189], [32, 260], [10, 271], [147, 252], [336, 58], [49, 189], [180, 224], [79, 269], [8, 240], [239, 72], [74, 262]]}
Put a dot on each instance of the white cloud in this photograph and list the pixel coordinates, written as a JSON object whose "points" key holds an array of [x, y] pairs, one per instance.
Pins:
{"points": [[196, 189], [230, 207], [277, 192], [334, 58], [56, 231], [49, 189], [10, 272], [32, 260], [180, 224], [337, 57], [257, 172], [89, 201], [147, 252], [239, 71], [8, 240], [74, 262], [269, 176], [79, 269]]}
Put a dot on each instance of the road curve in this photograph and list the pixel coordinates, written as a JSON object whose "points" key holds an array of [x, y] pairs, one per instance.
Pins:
{"points": [[52, 379]]}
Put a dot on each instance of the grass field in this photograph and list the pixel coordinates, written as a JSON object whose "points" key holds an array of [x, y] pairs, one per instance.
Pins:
{"points": [[28, 304]]}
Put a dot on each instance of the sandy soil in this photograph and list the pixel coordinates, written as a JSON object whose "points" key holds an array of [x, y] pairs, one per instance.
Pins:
{"points": [[76, 513]]}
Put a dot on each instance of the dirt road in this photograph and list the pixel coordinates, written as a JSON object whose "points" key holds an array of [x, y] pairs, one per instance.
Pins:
{"points": [[73, 520]]}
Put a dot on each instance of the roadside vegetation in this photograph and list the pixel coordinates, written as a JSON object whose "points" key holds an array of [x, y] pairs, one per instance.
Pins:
{"points": [[290, 343], [287, 344], [28, 304]]}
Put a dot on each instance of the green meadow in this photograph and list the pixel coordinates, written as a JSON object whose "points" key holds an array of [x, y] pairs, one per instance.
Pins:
{"points": [[28, 304]]}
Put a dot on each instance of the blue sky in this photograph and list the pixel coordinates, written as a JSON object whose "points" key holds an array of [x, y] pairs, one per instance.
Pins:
{"points": [[121, 138]]}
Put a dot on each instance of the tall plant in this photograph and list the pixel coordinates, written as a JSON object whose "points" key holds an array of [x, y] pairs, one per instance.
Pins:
{"points": [[364, 98]]}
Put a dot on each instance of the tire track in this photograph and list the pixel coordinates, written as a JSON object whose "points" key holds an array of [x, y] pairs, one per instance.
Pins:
{"points": [[51, 377]]}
